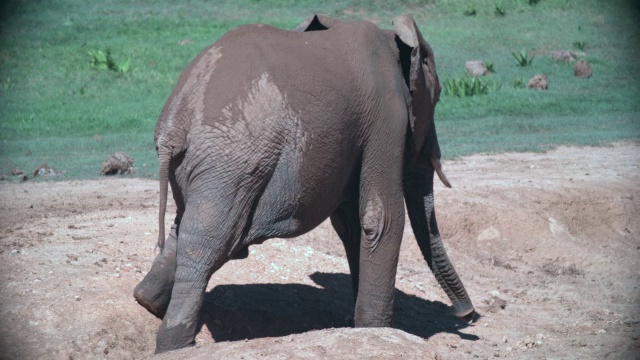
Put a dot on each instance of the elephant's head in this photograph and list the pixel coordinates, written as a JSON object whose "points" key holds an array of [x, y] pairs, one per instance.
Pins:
{"points": [[422, 159], [419, 72]]}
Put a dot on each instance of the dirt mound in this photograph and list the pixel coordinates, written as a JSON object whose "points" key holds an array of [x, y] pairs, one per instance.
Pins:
{"points": [[546, 244], [384, 343]]}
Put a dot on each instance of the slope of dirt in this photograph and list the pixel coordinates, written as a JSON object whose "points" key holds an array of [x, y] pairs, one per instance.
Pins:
{"points": [[385, 343], [548, 246]]}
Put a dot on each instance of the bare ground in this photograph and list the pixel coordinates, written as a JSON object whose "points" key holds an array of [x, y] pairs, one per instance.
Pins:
{"points": [[548, 246]]}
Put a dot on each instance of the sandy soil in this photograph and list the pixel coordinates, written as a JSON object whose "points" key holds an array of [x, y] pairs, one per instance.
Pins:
{"points": [[548, 246]]}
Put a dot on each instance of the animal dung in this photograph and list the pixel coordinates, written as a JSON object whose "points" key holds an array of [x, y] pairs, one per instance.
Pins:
{"points": [[117, 163], [582, 69], [539, 82]]}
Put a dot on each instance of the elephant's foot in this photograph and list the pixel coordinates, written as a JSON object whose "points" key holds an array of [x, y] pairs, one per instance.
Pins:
{"points": [[467, 315], [154, 291], [178, 336]]}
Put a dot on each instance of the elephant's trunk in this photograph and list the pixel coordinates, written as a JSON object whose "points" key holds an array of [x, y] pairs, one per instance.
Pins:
{"points": [[418, 187], [164, 156]]}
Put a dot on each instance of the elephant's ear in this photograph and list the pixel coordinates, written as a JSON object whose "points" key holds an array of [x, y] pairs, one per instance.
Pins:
{"points": [[419, 71], [316, 23]]}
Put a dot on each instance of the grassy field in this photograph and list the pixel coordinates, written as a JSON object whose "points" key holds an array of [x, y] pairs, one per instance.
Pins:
{"points": [[53, 101]]}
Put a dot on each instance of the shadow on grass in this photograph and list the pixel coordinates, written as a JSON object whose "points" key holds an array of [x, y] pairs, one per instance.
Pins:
{"points": [[237, 312]]}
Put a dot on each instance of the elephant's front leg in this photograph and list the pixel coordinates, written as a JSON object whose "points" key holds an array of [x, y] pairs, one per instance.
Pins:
{"points": [[154, 291], [382, 222]]}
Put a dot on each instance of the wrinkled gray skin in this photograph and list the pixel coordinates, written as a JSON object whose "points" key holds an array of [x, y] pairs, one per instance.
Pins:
{"points": [[269, 132]]}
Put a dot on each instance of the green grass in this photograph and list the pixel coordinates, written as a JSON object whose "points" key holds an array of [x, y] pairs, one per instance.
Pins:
{"points": [[53, 101]]}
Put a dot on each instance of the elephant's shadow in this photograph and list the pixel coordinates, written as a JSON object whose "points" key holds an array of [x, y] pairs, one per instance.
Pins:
{"points": [[236, 312]]}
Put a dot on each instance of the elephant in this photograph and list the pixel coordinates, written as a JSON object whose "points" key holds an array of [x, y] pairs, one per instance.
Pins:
{"points": [[269, 132]]}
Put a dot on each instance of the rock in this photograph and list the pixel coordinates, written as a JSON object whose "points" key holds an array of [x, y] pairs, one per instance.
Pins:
{"points": [[582, 69], [341, 343], [117, 163], [16, 172], [496, 304], [45, 170], [1, 178], [538, 82], [476, 68], [566, 55]]}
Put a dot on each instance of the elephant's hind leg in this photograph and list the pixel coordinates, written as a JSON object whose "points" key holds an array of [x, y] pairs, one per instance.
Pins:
{"points": [[211, 232], [154, 291]]}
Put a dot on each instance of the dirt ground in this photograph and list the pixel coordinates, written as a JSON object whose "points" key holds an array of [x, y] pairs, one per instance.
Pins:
{"points": [[548, 246]]}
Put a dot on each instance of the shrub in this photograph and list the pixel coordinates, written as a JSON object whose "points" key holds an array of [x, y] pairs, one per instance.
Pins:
{"points": [[522, 57], [102, 60], [580, 45], [470, 11], [469, 86], [519, 83]]}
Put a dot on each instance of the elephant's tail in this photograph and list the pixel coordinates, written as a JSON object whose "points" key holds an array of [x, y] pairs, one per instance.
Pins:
{"points": [[164, 154]]}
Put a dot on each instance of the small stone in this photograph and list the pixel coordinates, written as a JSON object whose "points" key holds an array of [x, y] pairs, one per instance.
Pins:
{"points": [[504, 339], [566, 55], [582, 69], [45, 170], [476, 68], [539, 82], [78, 298], [601, 331], [16, 172], [509, 349], [117, 163]]}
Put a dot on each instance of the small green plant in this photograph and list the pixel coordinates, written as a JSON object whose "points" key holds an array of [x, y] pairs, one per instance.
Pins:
{"points": [[6, 85], [470, 11], [490, 68], [533, 2], [500, 10], [469, 86], [580, 45], [518, 83], [522, 57], [102, 60]]}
